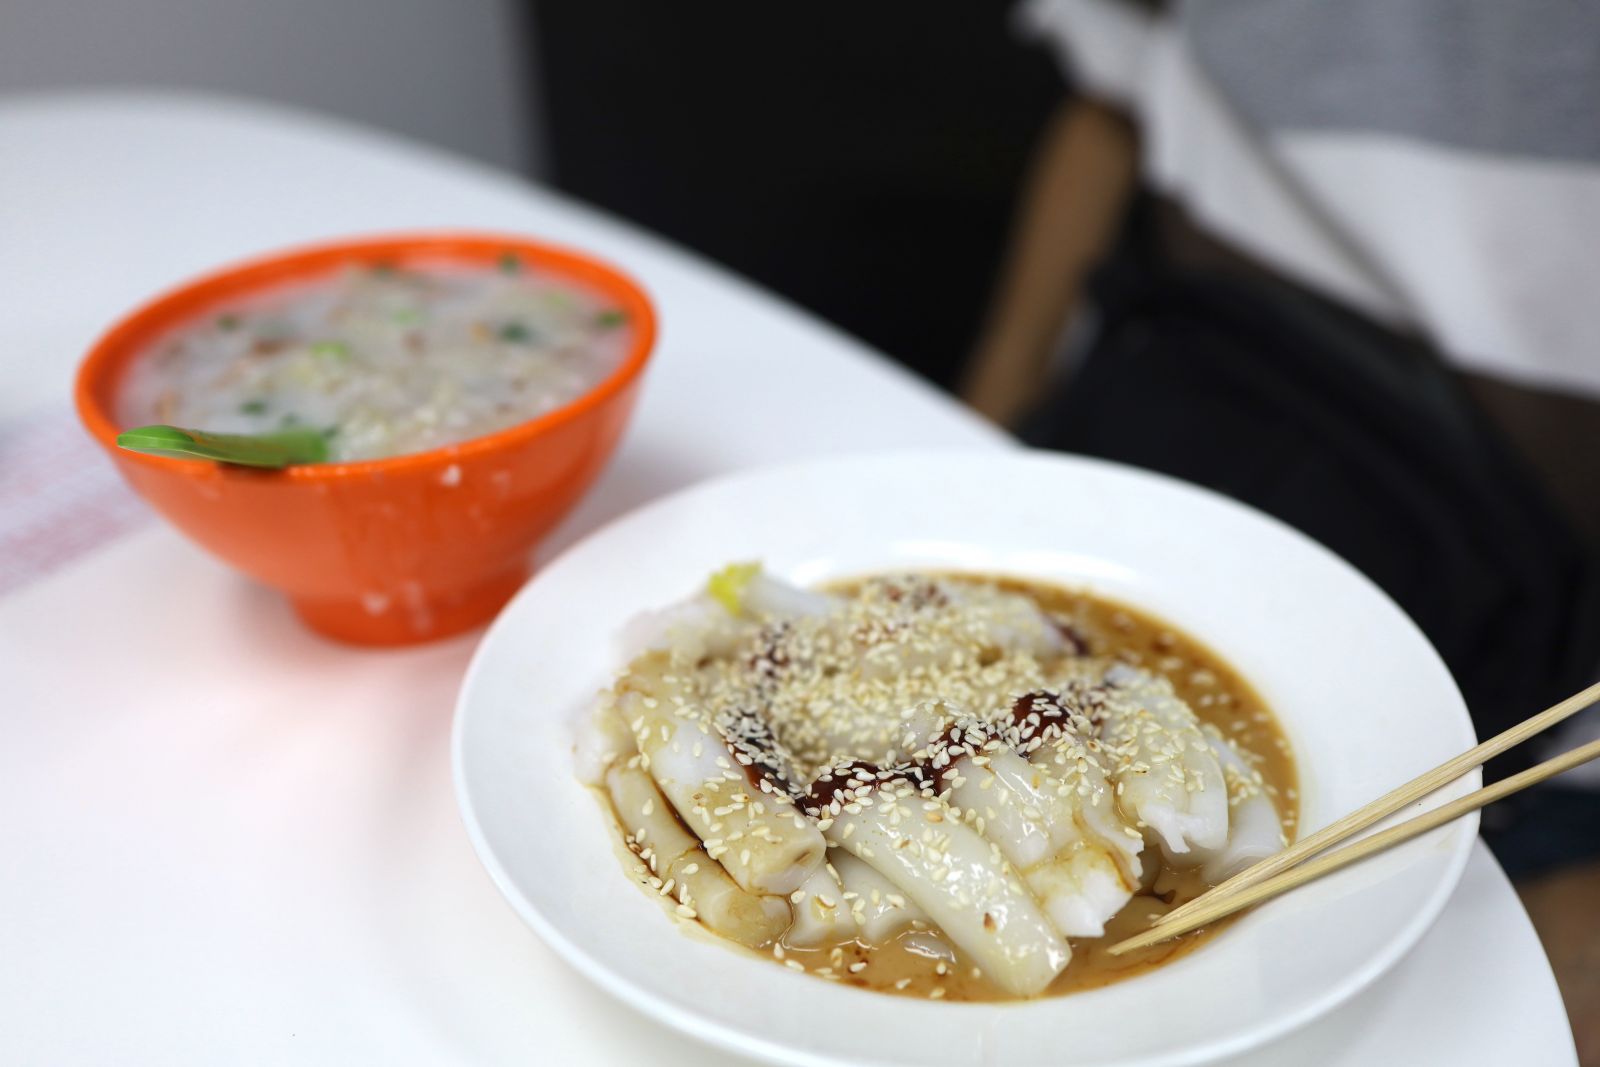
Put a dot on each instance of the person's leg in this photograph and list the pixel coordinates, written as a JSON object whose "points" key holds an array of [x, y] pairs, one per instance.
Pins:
{"points": [[1081, 180], [1559, 436]]}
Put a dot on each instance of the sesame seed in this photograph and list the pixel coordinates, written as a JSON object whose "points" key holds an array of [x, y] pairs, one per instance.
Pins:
{"points": [[922, 680]]}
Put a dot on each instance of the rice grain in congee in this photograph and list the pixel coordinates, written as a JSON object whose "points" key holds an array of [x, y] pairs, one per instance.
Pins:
{"points": [[385, 360]]}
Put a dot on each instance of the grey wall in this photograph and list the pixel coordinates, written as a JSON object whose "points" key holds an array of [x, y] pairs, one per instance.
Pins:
{"points": [[450, 72]]}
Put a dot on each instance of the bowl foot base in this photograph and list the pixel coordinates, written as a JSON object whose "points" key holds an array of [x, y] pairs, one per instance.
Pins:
{"points": [[411, 615]]}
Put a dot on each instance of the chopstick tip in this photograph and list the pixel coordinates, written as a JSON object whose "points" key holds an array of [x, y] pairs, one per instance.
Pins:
{"points": [[1136, 941]]}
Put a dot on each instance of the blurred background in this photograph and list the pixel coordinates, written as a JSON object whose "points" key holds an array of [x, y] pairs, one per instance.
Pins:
{"points": [[460, 74], [1328, 259], [837, 174]]}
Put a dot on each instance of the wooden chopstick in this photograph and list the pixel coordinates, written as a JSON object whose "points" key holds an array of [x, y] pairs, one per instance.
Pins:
{"points": [[1388, 804], [1213, 909]]}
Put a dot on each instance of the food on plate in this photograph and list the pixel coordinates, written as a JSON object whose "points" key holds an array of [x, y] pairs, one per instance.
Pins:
{"points": [[383, 359], [937, 785]]}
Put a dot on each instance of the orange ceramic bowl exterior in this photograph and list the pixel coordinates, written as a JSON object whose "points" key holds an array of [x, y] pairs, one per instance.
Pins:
{"points": [[387, 551]]}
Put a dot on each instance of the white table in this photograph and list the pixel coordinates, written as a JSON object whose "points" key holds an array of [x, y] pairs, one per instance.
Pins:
{"points": [[224, 840]]}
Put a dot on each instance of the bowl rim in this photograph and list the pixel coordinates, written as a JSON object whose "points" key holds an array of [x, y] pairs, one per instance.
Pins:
{"points": [[635, 993], [116, 349]]}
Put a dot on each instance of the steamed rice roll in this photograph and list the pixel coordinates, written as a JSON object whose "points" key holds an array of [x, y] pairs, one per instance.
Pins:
{"points": [[1167, 777], [1254, 829], [821, 913], [680, 870], [877, 907], [714, 622], [744, 817], [949, 870], [1045, 826]]}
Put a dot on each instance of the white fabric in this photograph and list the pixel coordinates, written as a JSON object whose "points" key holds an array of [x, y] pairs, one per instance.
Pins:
{"points": [[1486, 255], [59, 499], [1493, 256]]}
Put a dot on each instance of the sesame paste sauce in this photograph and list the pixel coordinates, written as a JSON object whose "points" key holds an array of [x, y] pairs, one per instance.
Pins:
{"points": [[918, 965]]}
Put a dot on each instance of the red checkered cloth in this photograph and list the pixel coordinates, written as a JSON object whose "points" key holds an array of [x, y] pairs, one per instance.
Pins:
{"points": [[60, 498]]}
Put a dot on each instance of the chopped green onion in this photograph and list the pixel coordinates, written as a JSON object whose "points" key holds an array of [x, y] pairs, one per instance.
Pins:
{"points": [[407, 317], [510, 263], [384, 269], [515, 332], [289, 419], [253, 407], [610, 319], [229, 321], [727, 586], [337, 350], [249, 449]]}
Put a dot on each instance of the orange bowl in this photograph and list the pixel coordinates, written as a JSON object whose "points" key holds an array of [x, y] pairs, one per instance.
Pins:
{"points": [[387, 551]]}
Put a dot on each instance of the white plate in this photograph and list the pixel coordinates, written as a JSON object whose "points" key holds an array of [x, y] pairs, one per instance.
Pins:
{"points": [[1365, 701]]}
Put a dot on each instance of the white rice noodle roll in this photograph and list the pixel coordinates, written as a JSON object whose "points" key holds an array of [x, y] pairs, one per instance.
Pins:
{"points": [[1008, 621], [920, 725], [912, 643], [690, 630], [1168, 779], [1254, 829], [705, 625], [1078, 765], [766, 597], [907, 652], [959, 878], [602, 739], [821, 913], [966, 616], [682, 871], [1081, 879], [763, 840], [878, 909]]}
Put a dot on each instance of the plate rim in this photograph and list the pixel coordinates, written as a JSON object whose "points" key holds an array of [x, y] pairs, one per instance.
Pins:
{"points": [[637, 996]]}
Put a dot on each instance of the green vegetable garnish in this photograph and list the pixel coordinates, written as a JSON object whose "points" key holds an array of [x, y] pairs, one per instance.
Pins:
{"points": [[269, 450], [515, 332], [228, 322], [406, 317], [336, 350], [253, 407], [727, 586], [510, 263], [610, 319], [384, 269]]}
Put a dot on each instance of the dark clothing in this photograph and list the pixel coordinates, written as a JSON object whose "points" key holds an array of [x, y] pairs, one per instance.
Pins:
{"points": [[863, 165], [1358, 437]]}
